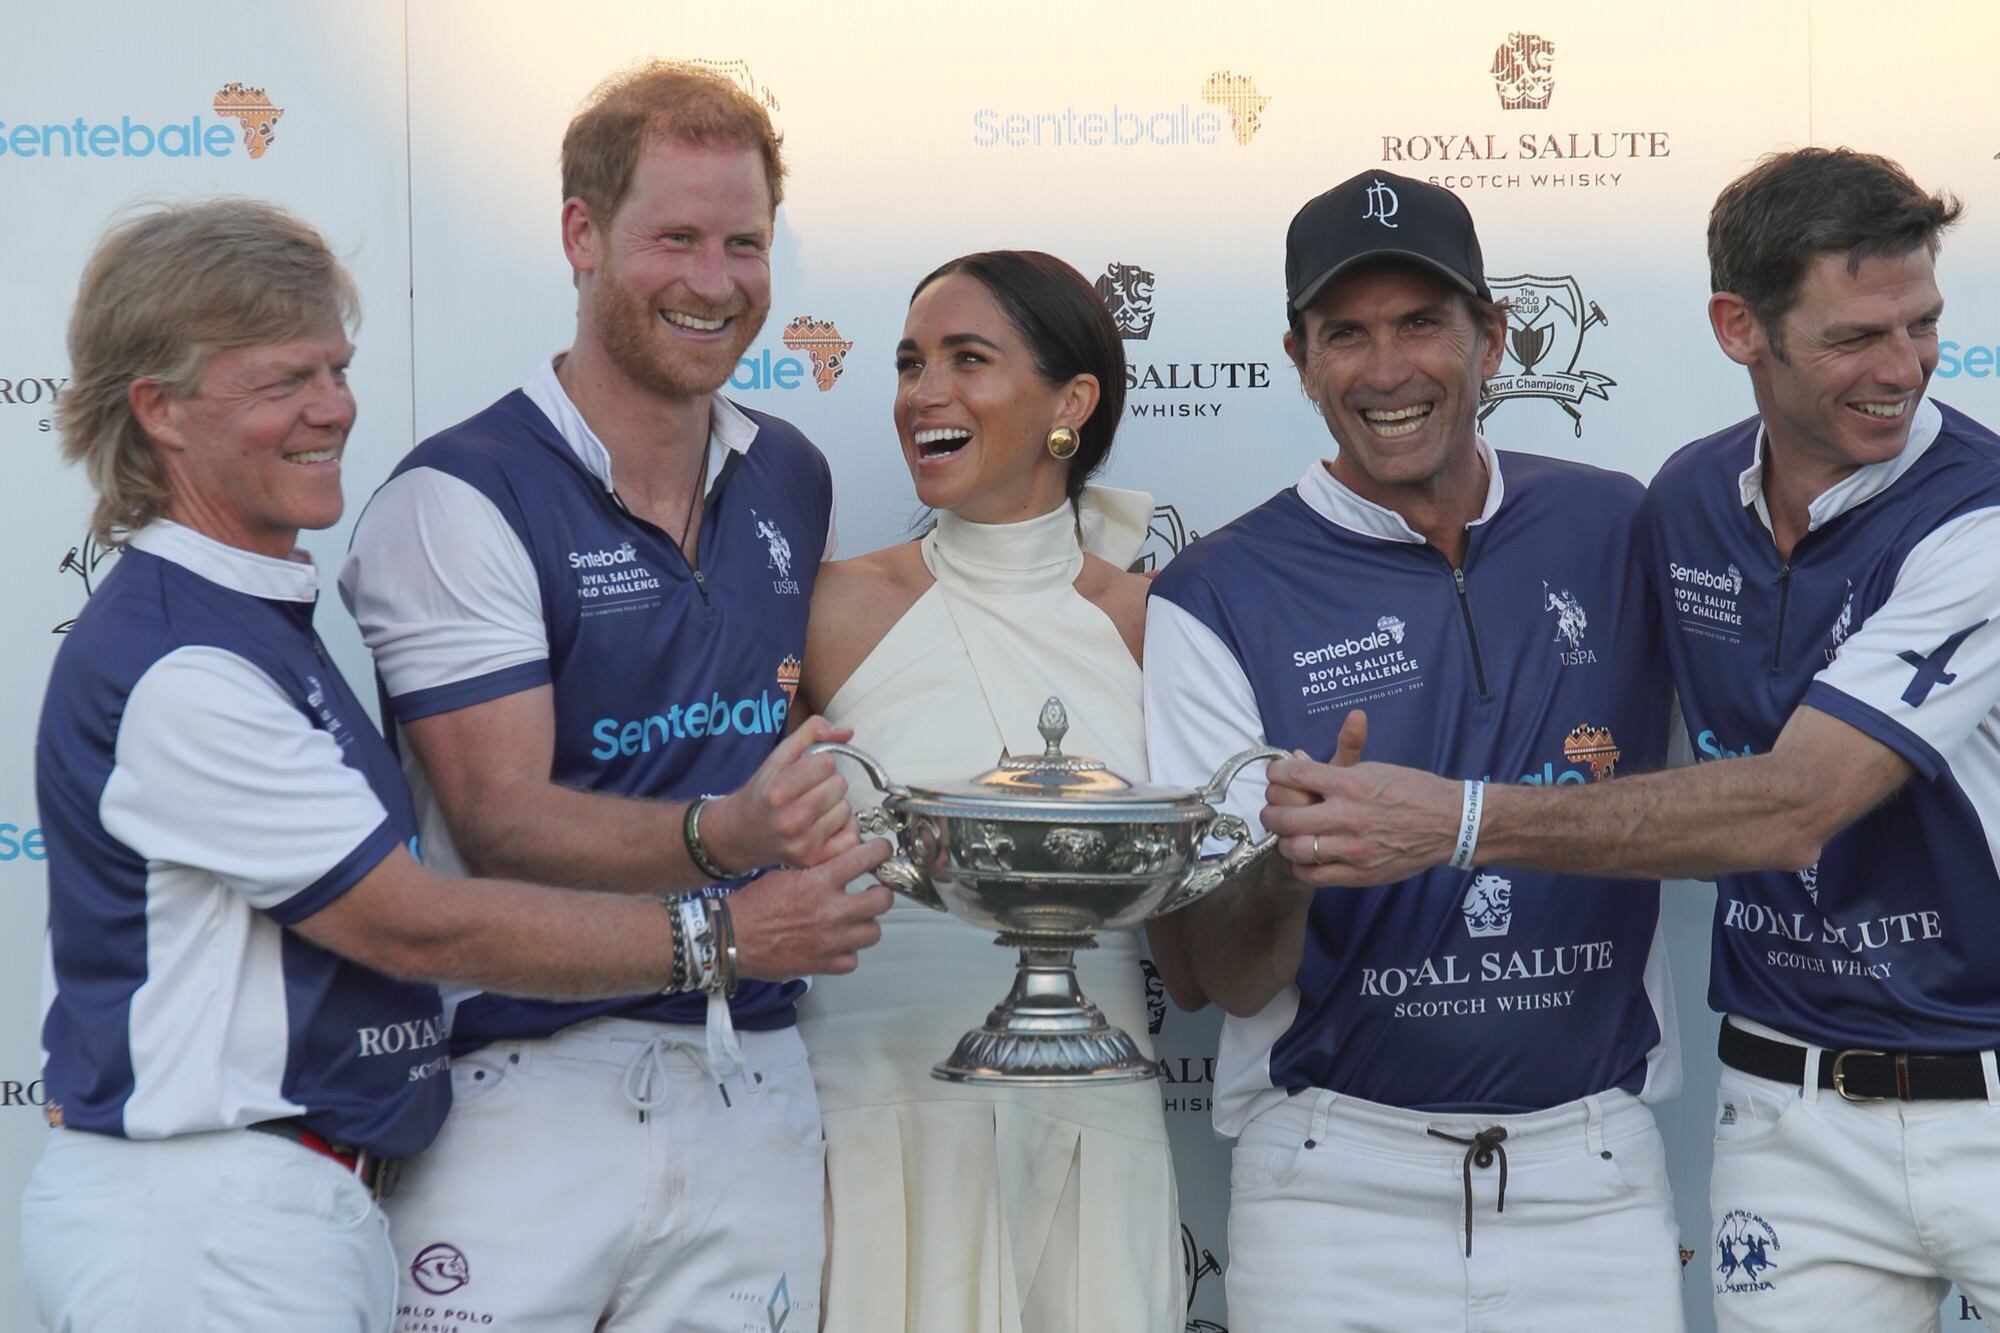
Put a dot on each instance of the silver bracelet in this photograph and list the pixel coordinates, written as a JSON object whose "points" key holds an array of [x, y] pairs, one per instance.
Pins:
{"points": [[722, 930], [1468, 824], [691, 835], [703, 952]]}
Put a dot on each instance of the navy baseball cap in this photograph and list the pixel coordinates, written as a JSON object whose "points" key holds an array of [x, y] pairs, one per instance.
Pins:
{"points": [[1380, 215]]}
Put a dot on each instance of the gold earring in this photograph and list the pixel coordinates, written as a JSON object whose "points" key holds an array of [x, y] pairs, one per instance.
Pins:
{"points": [[1063, 442]]}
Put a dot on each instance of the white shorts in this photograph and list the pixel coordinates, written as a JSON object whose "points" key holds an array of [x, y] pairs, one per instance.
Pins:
{"points": [[1346, 1214], [552, 1203], [227, 1233], [1832, 1214]]}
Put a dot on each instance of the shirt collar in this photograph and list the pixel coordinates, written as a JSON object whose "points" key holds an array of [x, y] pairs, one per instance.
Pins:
{"points": [[1857, 488], [729, 429], [292, 579], [1338, 505]]}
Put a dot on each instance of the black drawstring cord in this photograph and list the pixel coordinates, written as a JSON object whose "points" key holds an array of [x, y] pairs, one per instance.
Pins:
{"points": [[1482, 1148]]}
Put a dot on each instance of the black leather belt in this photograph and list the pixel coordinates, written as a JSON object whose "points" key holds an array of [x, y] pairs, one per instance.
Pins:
{"points": [[1858, 1075], [378, 1175]]}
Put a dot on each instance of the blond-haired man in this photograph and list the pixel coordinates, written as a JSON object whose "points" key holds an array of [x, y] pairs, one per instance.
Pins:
{"points": [[587, 605]]}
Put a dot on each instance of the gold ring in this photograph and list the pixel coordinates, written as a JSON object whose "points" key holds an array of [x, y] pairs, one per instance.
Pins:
{"points": [[1316, 858]]}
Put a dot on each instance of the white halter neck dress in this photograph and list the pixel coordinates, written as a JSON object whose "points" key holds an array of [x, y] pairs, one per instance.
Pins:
{"points": [[973, 1209]]}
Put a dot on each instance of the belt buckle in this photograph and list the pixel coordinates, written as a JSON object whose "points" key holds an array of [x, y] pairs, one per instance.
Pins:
{"points": [[1840, 1076], [378, 1175]]}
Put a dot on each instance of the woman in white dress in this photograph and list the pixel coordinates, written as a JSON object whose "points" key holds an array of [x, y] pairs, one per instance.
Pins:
{"points": [[956, 1208]]}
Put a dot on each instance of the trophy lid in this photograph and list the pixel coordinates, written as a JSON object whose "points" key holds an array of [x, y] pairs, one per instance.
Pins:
{"points": [[1051, 774]]}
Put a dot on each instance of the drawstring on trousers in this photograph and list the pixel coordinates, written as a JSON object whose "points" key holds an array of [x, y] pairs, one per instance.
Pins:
{"points": [[1480, 1151]]}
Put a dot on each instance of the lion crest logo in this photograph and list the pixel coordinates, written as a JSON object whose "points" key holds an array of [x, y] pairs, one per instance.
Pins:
{"points": [[1522, 72], [1127, 293], [1809, 881], [1570, 619], [1489, 906], [774, 541], [251, 107]]}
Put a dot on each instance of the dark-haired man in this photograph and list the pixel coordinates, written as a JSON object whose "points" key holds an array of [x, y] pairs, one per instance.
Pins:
{"points": [[1830, 577], [1438, 1085], [587, 606]]}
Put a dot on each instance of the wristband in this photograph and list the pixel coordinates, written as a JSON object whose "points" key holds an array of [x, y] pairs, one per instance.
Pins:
{"points": [[703, 954], [1468, 824], [691, 835], [677, 979], [722, 928]]}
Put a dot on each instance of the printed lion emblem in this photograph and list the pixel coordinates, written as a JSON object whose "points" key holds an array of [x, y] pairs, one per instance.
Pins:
{"points": [[1521, 71], [1489, 906], [1127, 293], [252, 107]]}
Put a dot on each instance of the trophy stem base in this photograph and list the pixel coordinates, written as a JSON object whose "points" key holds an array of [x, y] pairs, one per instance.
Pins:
{"points": [[1045, 1033]]}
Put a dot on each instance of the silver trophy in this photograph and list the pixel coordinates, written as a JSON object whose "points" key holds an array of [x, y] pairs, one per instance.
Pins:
{"points": [[1047, 851]]}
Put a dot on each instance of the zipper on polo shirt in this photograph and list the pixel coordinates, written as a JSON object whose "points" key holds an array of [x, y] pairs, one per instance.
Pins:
{"points": [[694, 569], [1471, 635], [1784, 600]]}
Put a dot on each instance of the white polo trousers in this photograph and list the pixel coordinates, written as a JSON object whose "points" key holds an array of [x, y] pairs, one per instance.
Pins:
{"points": [[1348, 1215], [1831, 1214], [232, 1232], [551, 1203]]}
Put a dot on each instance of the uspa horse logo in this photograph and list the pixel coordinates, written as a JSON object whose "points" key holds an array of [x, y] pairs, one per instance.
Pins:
{"points": [[1523, 73], [1546, 321], [1570, 619], [1127, 293], [780, 550]]}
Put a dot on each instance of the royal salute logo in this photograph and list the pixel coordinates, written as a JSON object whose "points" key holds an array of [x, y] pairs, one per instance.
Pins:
{"points": [[1237, 94], [789, 672], [33, 391], [1547, 319], [82, 560], [1523, 75], [1231, 108], [250, 107], [1156, 996], [1592, 748], [1504, 156], [1166, 537], [1744, 1244], [1127, 293], [1197, 1263], [820, 340], [1488, 908], [738, 73], [1809, 881]]}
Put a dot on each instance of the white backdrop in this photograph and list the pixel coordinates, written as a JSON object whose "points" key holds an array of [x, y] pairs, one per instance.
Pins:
{"points": [[1173, 138]]}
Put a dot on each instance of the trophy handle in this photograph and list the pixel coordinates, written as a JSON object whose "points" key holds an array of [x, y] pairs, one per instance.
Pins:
{"points": [[899, 872], [1208, 876]]}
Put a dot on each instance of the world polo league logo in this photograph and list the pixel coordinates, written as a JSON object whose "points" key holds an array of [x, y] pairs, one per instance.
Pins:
{"points": [[252, 108], [1547, 319], [1522, 73], [440, 1269], [1127, 293]]}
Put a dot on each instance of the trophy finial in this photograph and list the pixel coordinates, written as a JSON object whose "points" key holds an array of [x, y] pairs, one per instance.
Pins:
{"points": [[1054, 725]]}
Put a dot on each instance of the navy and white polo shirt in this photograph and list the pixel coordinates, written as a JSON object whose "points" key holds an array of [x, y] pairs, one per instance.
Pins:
{"points": [[1888, 618], [497, 558], [206, 779], [1495, 990]]}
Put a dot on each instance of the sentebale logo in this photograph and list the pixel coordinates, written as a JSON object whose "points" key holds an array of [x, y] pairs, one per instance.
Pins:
{"points": [[820, 340], [1383, 203], [1931, 670], [252, 108], [1240, 113]]}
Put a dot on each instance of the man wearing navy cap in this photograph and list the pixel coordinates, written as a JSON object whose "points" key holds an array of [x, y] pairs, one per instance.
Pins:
{"points": [[1827, 570], [1438, 1083]]}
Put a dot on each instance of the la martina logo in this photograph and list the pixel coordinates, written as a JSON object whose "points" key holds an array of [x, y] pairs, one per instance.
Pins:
{"points": [[1512, 157]]}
